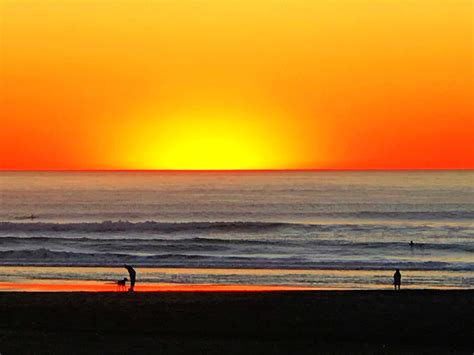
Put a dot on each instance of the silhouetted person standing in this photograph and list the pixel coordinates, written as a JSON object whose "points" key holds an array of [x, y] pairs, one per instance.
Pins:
{"points": [[397, 279], [133, 275]]}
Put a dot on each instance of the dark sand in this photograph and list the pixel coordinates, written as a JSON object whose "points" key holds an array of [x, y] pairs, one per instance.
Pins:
{"points": [[238, 323]]}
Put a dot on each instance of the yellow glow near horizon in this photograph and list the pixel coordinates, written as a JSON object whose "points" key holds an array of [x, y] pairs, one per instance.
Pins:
{"points": [[208, 139]]}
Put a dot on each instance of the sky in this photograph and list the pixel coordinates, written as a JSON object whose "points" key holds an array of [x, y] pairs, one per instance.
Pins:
{"points": [[236, 84]]}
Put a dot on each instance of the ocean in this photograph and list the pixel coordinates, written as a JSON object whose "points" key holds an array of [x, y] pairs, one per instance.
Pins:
{"points": [[343, 230]]}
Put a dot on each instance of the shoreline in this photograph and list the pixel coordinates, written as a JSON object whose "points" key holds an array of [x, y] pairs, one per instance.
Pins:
{"points": [[101, 287], [237, 322], [71, 278]]}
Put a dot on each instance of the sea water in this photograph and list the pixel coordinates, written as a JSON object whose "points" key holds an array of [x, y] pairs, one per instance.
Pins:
{"points": [[310, 229]]}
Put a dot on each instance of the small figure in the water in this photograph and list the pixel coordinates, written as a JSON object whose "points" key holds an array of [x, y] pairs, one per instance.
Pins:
{"points": [[412, 244], [397, 279], [132, 273]]}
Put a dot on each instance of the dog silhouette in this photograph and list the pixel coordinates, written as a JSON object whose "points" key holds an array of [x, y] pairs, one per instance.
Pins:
{"points": [[122, 284]]}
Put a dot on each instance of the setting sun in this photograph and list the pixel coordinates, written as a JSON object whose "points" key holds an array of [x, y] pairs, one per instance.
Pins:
{"points": [[212, 143], [205, 138]]}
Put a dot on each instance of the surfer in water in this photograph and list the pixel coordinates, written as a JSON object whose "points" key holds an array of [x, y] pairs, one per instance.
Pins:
{"points": [[418, 245], [133, 274]]}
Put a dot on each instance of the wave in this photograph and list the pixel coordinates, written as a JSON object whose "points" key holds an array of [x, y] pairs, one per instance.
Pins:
{"points": [[139, 241], [251, 211], [220, 244], [124, 226], [410, 215], [237, 226], [47, 257], [351, 245]]}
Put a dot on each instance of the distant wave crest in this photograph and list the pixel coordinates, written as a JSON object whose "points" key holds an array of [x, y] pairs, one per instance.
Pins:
{"points": [[125, 226]]}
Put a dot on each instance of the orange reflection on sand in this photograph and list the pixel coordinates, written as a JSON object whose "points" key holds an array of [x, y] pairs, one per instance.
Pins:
{"points": [[99, 287]]}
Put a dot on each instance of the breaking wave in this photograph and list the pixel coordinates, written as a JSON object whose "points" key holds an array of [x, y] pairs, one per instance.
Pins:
{"points": [[237, 226], [214, 244], [42, 257], [149, 226]]}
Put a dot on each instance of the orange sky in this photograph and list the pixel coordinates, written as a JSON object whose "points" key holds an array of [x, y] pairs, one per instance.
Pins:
{"points": [[236, 84]]}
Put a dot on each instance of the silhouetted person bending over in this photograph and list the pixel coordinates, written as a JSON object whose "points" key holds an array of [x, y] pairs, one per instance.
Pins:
{"points": [[397, 279], [133, 274]]}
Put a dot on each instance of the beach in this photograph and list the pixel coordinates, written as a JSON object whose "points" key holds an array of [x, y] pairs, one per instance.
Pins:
{"points": [[290, 322]]}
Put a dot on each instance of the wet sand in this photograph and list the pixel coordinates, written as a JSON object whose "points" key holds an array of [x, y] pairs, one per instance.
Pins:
{"points": [[296, 322]]}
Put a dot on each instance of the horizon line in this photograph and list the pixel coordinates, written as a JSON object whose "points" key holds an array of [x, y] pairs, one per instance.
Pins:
{"points": [[236, 170]]}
